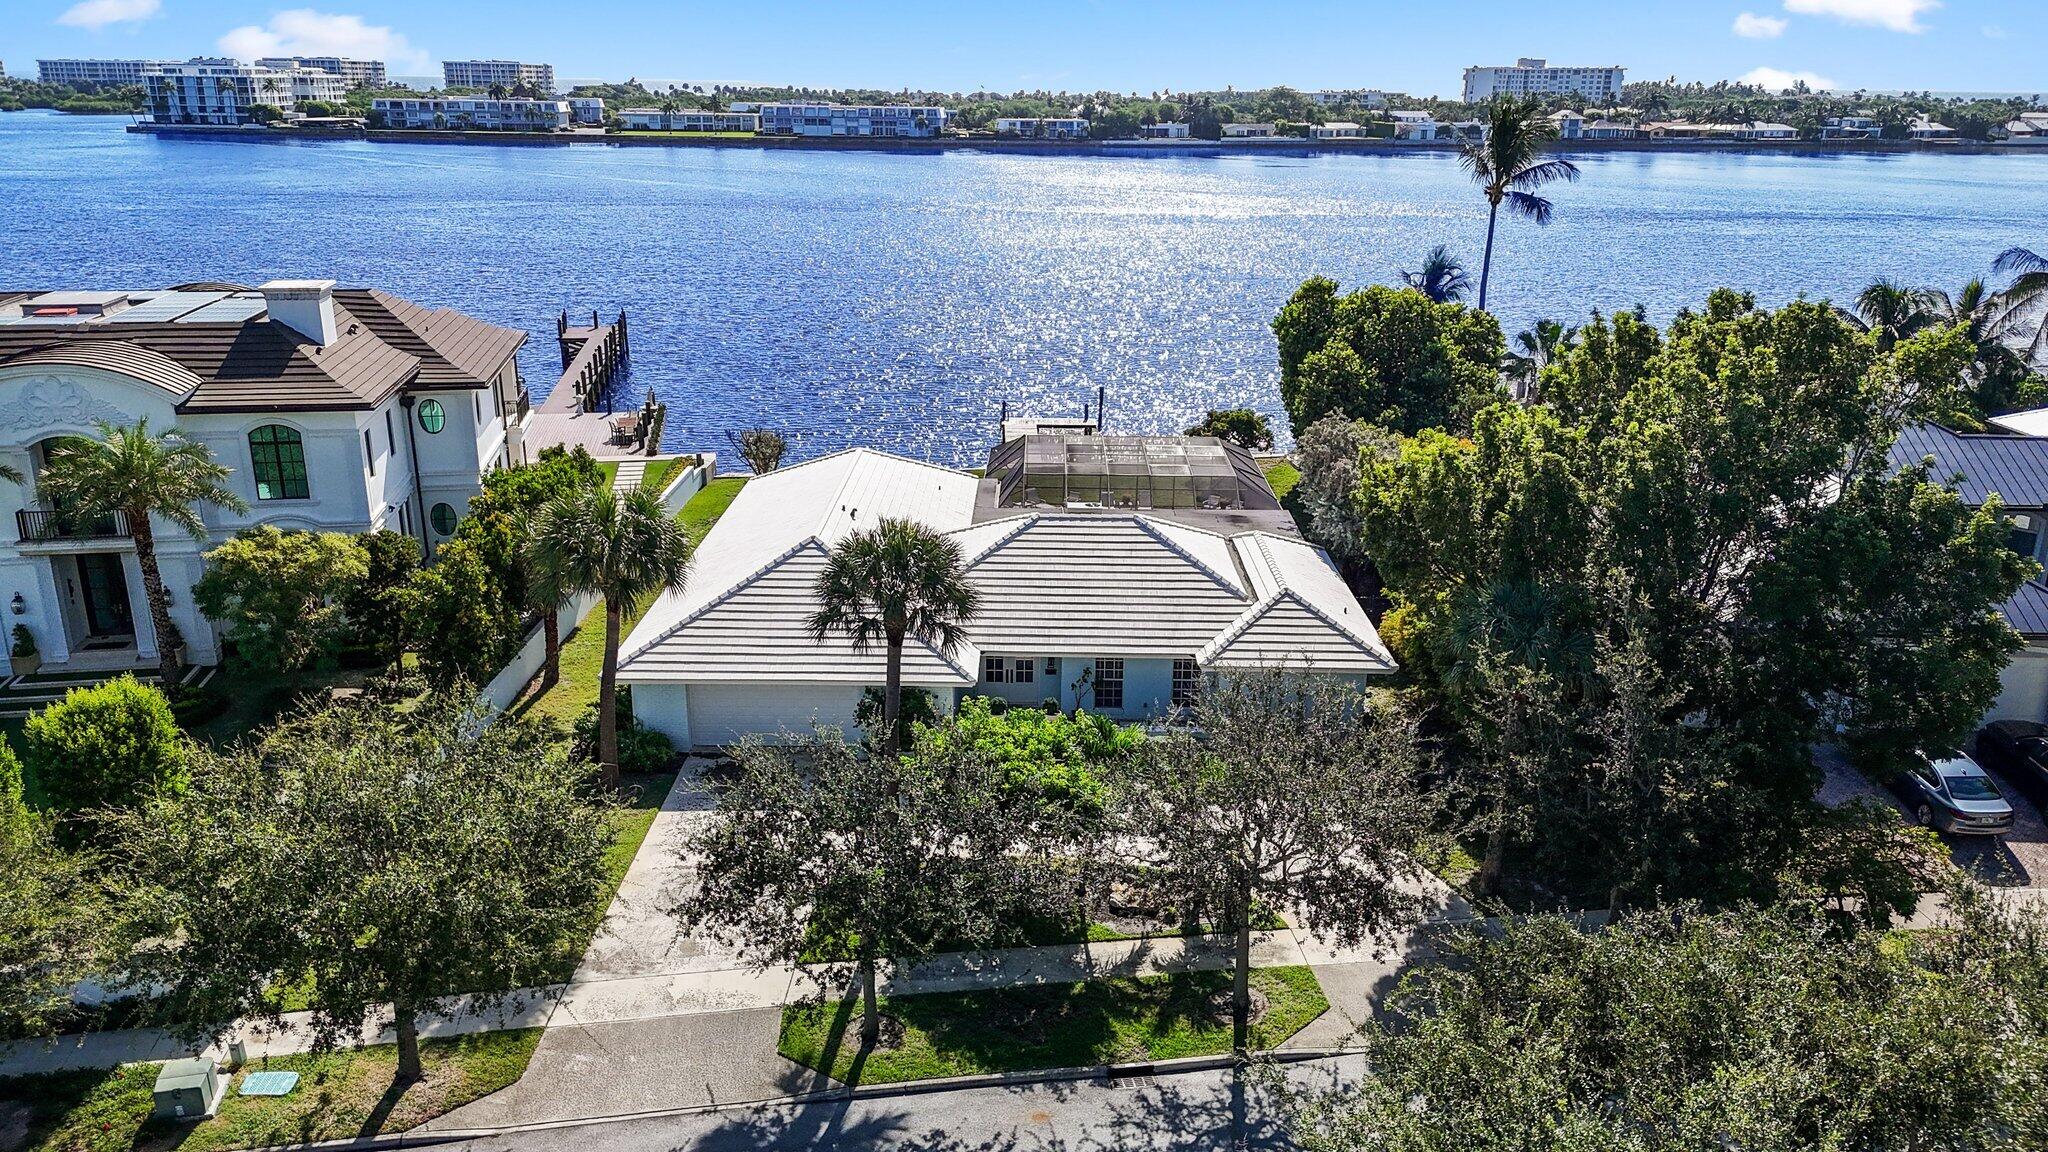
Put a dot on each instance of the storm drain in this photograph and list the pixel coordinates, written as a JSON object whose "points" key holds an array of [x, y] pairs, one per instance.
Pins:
{"points": [[1131, 1076]]}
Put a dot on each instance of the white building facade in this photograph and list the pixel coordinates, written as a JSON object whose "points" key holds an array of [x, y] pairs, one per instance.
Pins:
{"points": [[1043, 127], [96, 73], [473, 112], [877, 120], [227, 92], [335, 410], [358, 73], [687, 120], [484, 73], [1535, 77]]}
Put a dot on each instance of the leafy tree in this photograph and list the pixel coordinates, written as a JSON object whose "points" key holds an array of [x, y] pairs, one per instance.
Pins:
{"points": [[1300, 794], [822, 848], [130, 472], [109, 744], [500, 523], [1241, 426], [1507, 163], [1764, 1029], [1386, 355], [1330, 455], [281, 593], [374, 610], [459, 618], [890, 583], [1640, 601], [54, 914], [762, 449], [373, 858], [1442, 277], [625, 548]]}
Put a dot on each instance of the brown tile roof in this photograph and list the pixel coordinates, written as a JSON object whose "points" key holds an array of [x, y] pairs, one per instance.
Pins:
{"points": [[384, 344]]}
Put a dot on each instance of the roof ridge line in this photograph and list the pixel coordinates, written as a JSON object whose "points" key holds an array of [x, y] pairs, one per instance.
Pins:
{"points": [[1151, 528], [1023, 524]]}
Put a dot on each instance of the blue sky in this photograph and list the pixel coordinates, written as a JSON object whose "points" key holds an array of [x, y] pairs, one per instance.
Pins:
{"points": [[1414, 46]]}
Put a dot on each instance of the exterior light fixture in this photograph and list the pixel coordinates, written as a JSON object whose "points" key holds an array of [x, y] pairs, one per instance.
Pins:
{"points": [[19, 605]]}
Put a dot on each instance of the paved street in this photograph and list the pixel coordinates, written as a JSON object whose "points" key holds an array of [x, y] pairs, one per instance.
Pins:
{"points": [[1179, 1112], [2018, 860]]}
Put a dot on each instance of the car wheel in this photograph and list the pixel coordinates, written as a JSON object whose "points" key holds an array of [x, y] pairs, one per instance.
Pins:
{"points": [[1924, 815]]}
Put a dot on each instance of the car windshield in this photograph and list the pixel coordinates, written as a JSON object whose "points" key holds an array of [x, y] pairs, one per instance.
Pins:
{"points": [[1972, 788]]}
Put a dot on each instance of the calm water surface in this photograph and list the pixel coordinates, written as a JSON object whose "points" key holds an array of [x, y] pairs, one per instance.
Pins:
{"points": [[898, 299]]}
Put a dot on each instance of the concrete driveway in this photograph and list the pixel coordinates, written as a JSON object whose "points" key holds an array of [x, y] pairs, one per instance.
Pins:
{"points": [[2017, 860]]}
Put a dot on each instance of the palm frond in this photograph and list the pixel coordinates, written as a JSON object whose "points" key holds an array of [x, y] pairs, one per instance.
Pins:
{"points": [[1549, 171], [2021, 260], [1535, 208]]}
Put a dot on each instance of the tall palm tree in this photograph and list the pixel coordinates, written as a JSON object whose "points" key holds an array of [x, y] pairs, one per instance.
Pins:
{"points": [[1892, 310], [894, 581], [1442, 276], [138, 475], [1508, 166], [623, 547], [2029, 287]]}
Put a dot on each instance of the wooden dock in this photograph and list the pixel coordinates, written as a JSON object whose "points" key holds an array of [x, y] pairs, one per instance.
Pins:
{"points": [[590, 358], [579, 411]]}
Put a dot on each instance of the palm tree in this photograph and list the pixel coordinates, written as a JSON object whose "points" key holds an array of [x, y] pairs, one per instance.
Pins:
{"points": [[1535, 350], [1508, 166], [2029, 286], [1892, 310], [1442, 277], [138, 475], [623, 547], [896, 580]]}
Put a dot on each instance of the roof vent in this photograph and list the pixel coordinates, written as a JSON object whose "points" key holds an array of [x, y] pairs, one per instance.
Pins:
{"points": [[304, 306]]}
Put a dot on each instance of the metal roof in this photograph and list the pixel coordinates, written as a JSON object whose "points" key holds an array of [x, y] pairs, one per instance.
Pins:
{"points": [[117, 356], [1980, 464]]}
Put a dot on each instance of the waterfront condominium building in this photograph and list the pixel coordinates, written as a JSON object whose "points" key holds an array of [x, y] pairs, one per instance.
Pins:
{"points": [[358, 73], [227, 92], [478, 112], [334, 409], [687, 120], [484, 73], [96, 73], [1043, 128], [852, 120], [1534, 77]]}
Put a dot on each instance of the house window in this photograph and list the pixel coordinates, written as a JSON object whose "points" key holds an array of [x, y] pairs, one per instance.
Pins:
{"points": [[1187, 683], [278, 458], [1023, 670], [1109, 684], [432, 417], [369, 452], [443, 518], [2025, 535], [995, 670]]}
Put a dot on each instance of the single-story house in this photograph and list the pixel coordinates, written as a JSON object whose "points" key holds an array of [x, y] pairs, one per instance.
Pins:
{"points": [[1117, 574], [2013, 464]]}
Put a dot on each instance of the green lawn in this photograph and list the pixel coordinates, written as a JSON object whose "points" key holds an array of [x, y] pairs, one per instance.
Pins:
{"points": [[1047, 1026], [341, 1095], [1281, 474], [583, 651]]}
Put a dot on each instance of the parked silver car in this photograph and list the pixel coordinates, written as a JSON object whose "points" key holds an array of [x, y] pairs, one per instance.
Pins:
{"points": [[1951, 793]]}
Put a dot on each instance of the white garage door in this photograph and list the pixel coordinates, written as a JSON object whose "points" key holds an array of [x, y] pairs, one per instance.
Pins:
{"points": [[2024, 688], [725, 713]]}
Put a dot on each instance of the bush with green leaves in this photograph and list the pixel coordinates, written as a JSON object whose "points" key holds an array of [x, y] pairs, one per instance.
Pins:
{"points": [[1240, 426], [374, 610], [109, 744], [280, 594], [462, 621], [1046, 759], [919, 707], [641, 749]]}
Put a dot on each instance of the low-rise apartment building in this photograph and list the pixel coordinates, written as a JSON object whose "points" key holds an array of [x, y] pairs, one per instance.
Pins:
{"points": [[586, 109], [472, 112], [358, 73], [226, 92], [880, 120], [344, 410], [1533, 76], [485, 73], [1043, 127], [687, 120], [96, 73]]}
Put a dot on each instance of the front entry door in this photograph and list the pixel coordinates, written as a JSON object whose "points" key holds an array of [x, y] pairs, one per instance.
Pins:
{"points": [[107, 613]]}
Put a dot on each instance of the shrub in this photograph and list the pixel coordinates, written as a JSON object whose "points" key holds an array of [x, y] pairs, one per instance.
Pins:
{"points": [[280, 593], [192, 707], [641, 749], [374, 611], [1046, 759], [919, 707], [461, 620], [105, 745], [24, 641], [1240, 426], [10, 775]]}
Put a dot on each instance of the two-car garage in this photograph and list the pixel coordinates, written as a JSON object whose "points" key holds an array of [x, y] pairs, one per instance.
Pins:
{"points": [[714, 715]]}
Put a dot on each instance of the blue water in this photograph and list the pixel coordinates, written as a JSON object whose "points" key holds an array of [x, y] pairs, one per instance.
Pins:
{"points": [[898, 299]]}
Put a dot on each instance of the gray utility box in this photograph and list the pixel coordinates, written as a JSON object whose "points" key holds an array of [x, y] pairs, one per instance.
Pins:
{"points": [[188, 1089]]}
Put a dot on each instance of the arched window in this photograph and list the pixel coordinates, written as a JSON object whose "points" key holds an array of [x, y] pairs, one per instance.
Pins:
{"points": [[443, 517], [432, 418], [279, 457]]}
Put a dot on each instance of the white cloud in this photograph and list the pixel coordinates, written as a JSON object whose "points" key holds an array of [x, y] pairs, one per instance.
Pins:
{"points": [[1897, 15], [1778, 79], [1757, 27], [100, 13], [304, 32]]}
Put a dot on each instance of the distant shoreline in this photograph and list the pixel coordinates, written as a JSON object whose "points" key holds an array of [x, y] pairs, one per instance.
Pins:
{"points": [[1273, 146]]}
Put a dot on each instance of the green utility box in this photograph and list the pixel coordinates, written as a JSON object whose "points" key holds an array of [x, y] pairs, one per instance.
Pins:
{"points": [[188, 1089]]}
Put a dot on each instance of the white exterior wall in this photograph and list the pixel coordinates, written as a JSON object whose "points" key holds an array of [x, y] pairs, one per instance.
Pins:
{"points": [[2023, 693]]}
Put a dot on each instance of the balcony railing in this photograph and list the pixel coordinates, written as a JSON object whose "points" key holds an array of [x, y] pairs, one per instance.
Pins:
{"points": [[47, 527]]}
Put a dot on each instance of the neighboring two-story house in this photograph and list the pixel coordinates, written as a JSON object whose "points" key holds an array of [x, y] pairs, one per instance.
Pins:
{"points": [[336, 409], [1117, 574]]}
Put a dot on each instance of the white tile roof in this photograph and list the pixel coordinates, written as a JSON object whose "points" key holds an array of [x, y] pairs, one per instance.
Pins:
{"points": [[1050, 583]]}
